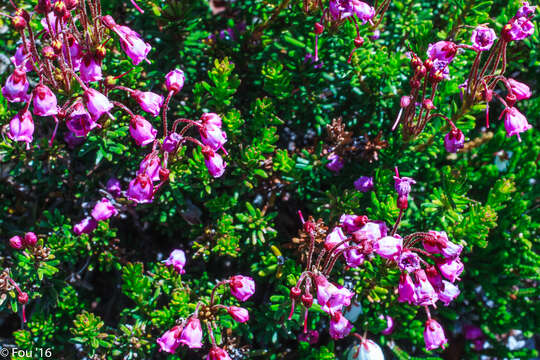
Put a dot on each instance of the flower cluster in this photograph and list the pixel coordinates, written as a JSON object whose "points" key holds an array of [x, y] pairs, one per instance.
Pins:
{"points": [[189, 331], [416, 108]]}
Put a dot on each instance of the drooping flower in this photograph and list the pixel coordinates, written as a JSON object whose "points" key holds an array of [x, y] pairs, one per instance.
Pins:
{"points": [[217, 353], [518, 29], [354, 257], [177, 259], [335, 237], [142, 131], [96, 103], [239, 314], [335, 163], [339, 326], [520, 90], [21, 127], [451, 268], [90, 69], [114, 187], [371, 231], [148, 101], [449, 293], [441, 245], [80, 122], [140, 189], [515, 122], [174, 80], [406, 291], [170, 340], [151, 165], [364, 184], [330, 297], [170, 143], [45, 103], [340, 9], [86, 226], [242, 287], [454, 141], [434, 278], [211, 119], [75, 52], [103, 210], [132, 44], [483, 37], [21, 59], [191, 335], [363, 11], [434, 335], [366, 350], [212, 136], [442, 50], [408, 261], [214, 162], [425, 293], [352, 223], [388, 247], [16, 242], [16, 87]]}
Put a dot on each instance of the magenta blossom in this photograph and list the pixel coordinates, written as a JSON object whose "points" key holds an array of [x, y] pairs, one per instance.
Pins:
{"points": [[21, 127], [406, 288], [372, 231], [21, 59], [132, 44], [151, 165], [16, 242], [341, 9], [75, 51], [388, 247], [170, 340], [403, 185], [525, 10], [16, 88], [90, 69], [170, 143], [518, 29], [363, 11], [239, 314], [191, 335], [45, 103], [330, 297], [211, 119], [213, 136], [335, 163], [217, 353], [214, 162], [442, 50], [364, 184], [142, 131], [149, 101], [97, 103], [408, 261], [333, 238], [449, 293], [80, 122], [454, 141], [425, 293], [441, 245], [242, 287], [103, 210], [483, 37], [435, 278], [339, 326], [174, 80], [114, 187], [515, 122], [30, 239], [140, 189], [86, 226], [177, 259], [520, 90], [451, 268], [434, 335]]}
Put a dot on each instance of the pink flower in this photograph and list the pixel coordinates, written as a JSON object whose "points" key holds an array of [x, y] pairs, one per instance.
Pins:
{"points": [[86, 226], [403, 185], [352, 223], [389, 324], [150, 166], [434, 335], [132, 44], [80, 122], [372, 231], [30, 239], [435, 278], [335, 163], [90, 69], [213, 136], [21, 127], [451, 268], [191, 335], [354, 257], [149, 101], [45, 103], [363, 11], [364, 184], [483, 37], [454, 141], [211, 119], [103, 210], [16, 242], [174, 80], [525, 10], [449, 293], [142, 131], [97, 103], [330, 297], [388, 247], [406, 289], [366, 350], [335, 237], [518, 29], [515, 122], [177, 259], [442, 50], [238, 313], [75, 51], [214, 162], [217, 353], [140, 189], [170, 341], [242, 287], [425, 293], [520, 90], [340, 9], [408, 261], [21, 59], [441, 245], [16, 88], [339, 326], [170, 143], [113, 187]]}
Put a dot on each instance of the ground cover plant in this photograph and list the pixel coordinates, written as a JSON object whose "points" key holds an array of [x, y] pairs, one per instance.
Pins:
{"points": [[315, 179]]}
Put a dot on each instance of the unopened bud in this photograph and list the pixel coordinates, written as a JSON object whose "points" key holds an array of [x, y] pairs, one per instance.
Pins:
{"points": [[421, 70], [307, 300], [23, 298], [402, 202], [415, 62], [164, 174], [511, 100], [415, 84], [358, 41], [43, 7], [110, 81], [30, 239], [428, 104], [319, 28], [295, 292], [361, 220], [23, 13], [19, 23], [428, 64], [437, 76], [16, 242], [71, 4]]}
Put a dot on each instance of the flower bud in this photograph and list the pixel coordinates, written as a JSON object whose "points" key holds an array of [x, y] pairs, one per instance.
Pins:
{"points": [[307, 300], [57, 46], [421, 70], [428, 104], [295, 292], [60, 8], [239, 314], [164, 174], [30, 239], [174, 80], [16, 242], [405, 101], [415, 84], [319, 28], [18, 22], [43, 7], [359, 41], [23, 298], [101, 51]]}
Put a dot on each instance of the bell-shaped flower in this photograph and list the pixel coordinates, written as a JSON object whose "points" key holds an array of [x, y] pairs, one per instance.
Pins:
{"points": [[140, 189], [442, 50], [103, 210], [21, 127], [80, 123], [364, 184], [171, 141], [335, 237], [454, 140], [242, 287], [148, 101], [174, 80], [515, 122], [214, 162], [213, 136], [142, 131], [406, 289], [177, 259], [520, 90], [425, 293], [388, 247], [86, 226], [449, 293], [170, 340], [45, 103], [96, 103], [239, 314], [151, 165], [90, 69], [408, 261], [217, 353], [483, 37], [451, 268], [434, 335], [191, 334], [339, 326], [16, 87]]}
